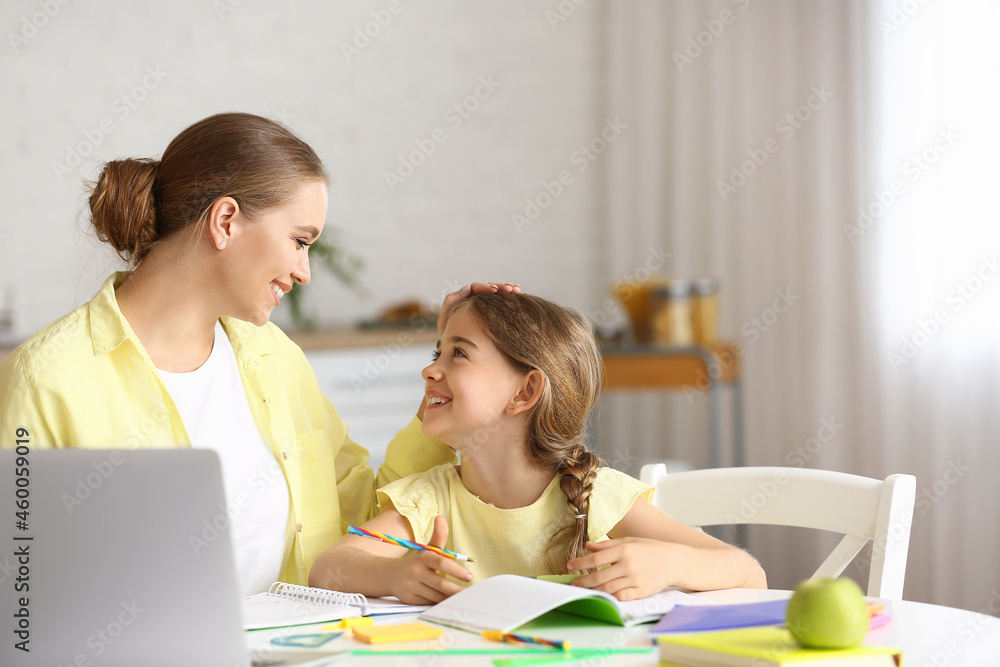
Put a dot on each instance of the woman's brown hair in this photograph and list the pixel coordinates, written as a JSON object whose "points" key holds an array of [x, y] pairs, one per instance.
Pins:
{"points": [[258, 162], [536, 334]]}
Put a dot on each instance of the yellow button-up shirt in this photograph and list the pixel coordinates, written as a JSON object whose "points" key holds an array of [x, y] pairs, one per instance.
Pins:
{"points": [[86, 381]]}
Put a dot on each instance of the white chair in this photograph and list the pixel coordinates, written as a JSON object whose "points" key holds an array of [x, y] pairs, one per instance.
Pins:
{"points": [[859, 508]]}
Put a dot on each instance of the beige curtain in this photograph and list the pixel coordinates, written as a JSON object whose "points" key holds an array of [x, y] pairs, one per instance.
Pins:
{"points": [[936, 299], [756, 131]]}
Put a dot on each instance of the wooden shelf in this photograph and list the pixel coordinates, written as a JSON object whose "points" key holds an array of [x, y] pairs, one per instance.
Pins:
{"points": [[698, 368], [651, 366]]}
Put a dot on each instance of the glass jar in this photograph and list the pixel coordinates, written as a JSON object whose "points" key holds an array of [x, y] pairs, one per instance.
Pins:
{"points": [[705, 311], [636, 296], [670, 310]]}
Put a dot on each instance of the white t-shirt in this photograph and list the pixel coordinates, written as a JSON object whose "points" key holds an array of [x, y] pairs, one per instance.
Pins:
{"points": [[214, 408]]}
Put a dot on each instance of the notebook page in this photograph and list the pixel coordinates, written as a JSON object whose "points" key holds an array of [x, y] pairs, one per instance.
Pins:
{"points": [[507, 601], [266, 610]]}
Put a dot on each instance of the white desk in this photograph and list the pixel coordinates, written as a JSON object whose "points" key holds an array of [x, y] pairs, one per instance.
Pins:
{"points": [[929, 635]]}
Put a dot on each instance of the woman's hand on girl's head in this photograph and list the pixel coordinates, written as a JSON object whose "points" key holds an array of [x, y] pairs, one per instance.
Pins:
{"points": [[452, 299]]}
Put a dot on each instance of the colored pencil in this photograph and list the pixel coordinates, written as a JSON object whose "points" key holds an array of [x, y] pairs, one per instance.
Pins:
{"points": [[407, 544], [497, 636]]}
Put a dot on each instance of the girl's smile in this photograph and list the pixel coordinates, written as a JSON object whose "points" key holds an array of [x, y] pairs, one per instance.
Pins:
{"points": [[469, 385], [436, 399]]}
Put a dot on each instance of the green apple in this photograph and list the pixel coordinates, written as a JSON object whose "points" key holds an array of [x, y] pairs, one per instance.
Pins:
{"points": [[827, 613]]}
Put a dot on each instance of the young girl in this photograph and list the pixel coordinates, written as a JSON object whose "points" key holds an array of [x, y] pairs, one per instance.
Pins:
{"points": [[513, 380]]}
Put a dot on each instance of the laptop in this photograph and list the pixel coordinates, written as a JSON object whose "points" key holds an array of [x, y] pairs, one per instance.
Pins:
{"points": [[116, 558]]}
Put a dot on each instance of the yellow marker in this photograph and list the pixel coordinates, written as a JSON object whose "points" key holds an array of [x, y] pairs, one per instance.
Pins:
{"points": [[403, 632]]}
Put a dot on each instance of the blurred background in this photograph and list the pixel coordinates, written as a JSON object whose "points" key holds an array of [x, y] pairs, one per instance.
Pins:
{"points": [[832, 164]]}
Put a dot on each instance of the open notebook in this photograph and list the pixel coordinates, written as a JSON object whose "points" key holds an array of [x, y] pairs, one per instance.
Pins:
{"points": [[508, 601], [288, 604]]}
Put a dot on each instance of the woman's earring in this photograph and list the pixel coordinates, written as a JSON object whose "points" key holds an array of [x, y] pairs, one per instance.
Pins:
{"points": [[222, 244]]}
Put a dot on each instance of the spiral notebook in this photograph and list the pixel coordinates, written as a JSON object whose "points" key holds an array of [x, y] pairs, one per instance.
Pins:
{"points": [[288, 604]]}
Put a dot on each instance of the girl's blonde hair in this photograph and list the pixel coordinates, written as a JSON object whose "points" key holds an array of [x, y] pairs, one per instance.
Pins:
{"points": [[258, 162], [536, 334]]}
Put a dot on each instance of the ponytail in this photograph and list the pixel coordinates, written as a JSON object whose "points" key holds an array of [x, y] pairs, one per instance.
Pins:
{"points": [[123, 207]]}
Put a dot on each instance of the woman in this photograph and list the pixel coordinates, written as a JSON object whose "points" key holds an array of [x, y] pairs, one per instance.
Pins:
{"points": [[180, 353]]}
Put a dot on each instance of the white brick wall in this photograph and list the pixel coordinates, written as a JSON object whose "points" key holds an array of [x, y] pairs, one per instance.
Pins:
{"points": [[447, 224]]}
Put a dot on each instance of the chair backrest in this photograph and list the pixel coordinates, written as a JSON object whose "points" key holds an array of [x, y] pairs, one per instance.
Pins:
{"points": [[861, 509]]}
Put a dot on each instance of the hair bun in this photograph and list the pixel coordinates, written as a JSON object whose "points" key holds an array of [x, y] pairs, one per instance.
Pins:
{"points": [[123, 206]]}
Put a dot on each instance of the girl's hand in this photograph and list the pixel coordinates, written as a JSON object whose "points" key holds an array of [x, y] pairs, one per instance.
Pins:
{"points": [[632, 567], [420, 578], [474, 288]]}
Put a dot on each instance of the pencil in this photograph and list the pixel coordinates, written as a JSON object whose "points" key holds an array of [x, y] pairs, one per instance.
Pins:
{"points": [[497, 636], [407, 544]]}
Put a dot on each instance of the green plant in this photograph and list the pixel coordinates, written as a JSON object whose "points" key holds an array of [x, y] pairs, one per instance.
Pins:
{"points": [[341, 264]]}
